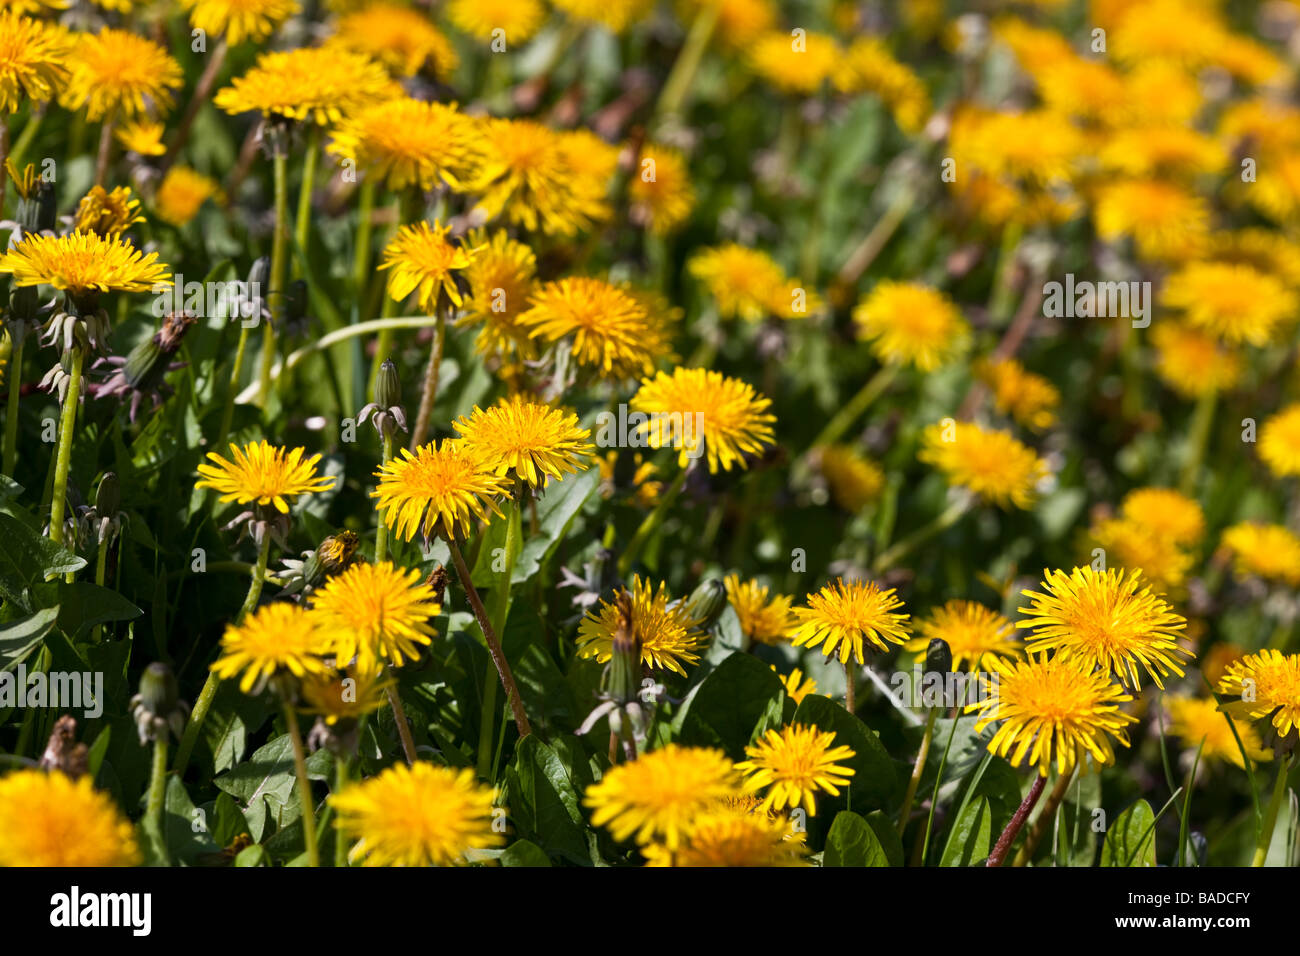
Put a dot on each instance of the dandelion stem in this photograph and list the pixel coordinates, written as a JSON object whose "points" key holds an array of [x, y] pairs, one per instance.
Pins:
{"points": [[858, 404], [1008, 837], [304, 786], [917, 769], [1270, 815], [1045, 818], [950, 516], [279, 262], [651, 523], [489, 635], [105, 151], [403, 725], [850, 687], [1202, 424], [153, 814], [500, 597], [14, 374], [381, 532], [342, 775], [688, 60], [302, 226], [201, 91], [64, 457], [228, 414], [430, 378], [25, 138]]}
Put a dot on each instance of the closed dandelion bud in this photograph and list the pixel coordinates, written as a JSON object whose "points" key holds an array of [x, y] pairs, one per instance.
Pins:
{"points": [[623, 675], [388, 386], [260, 273], [145, 365], [24, 303], [938, 657], [108, 497], [37, 210], [158, 689], [707, 603]]}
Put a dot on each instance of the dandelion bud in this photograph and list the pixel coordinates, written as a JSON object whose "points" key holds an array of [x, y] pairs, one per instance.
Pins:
{"points": [[623, 675], [938, 657], [158, 689], [388, 386], [108, 497], [707, 603]]}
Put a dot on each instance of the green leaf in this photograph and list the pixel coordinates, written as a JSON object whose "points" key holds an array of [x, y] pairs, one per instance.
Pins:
{"points": [[82, 605], [265, 786], [727, 706], [971, 836], [874, 785], [27, 558], [545, 786], [852, 842], [186, 838], [1131, 838], [524, 853], [887, 834], [556, 508], [18, 638]]}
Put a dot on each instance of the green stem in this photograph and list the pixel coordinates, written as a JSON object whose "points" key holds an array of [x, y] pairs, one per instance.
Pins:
{"points": [[14, 375], [688, 61], [101, 569], [381, 532], [25, 138], [858, 404], [1198, 439], [500, 613], [304, 786], [917, 769], [1001, 301], [651, 523], [64, 457], [431, 374], [153, 813], [342, 776], [403, 725], [901, 549], [228, 414], [1270, 815], [302, 226], [279, 263]]}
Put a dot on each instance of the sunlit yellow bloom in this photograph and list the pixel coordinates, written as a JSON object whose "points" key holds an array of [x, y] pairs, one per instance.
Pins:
{"points": [[612, 331], [667, 635], [1169, 513], [1266, 684], [534, 441], [739, 22], [656, 796], [660, 191], [501, 278], [1028, 398], [402, 38], [520, 19], [318, 85], [33, 61], [30, 7], [1052, 709], [1234, 302], [845, 617], [745, 283], [1192, 362], [693, 405], [239, 20], [409, 142], [182, 193], [1279, 442], [793, 765], [1131, 543], [972, 632], [376, 612], [49, 819], [617, 15], [423, 258], [987, 462], [869, 67], [1141, 32], [1276, 190], [120, 75], [909, 323], [106, 213], [1199, 723], [1108, 620], [436, 490], [1267, 250], [1267, 123], [1271, 551], [264, 474], [83, 262], [796, 685], [1034, 147], [854, 480], [347, 695], [1174, 150], [280, 638], [768, 620], [417, 815], [724, 838], [796, 62], [142, 136], [1166, 221], [645, 489]]}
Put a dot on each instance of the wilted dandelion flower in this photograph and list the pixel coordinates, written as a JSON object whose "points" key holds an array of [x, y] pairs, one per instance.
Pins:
{"points": [[1199, 723], [404, 39], [182, 193], [847, 617], [280, 638], [436, 490], [49, 819], [1270, 551], [1166, 221], [1028, 398], [264, 474], [83, 262], [315, 85], [1192, 362], [854, 480], [1265, 684], [424, 258], [732, 418], [501, 278], [793, 765], [239, 20], [1234, 302], [376, 612], [612, 331], [1108, 620], [1279, 442], [797, 64], [408, 142], [617, 15], [764, 617], [33, 61], [869, 67], [533, 440], [1052, 710], [1129, 543], [107, 213], [418, 815], [660, 191], [520, 19], [1168, 513], [990, 463], [656, 796], [724, 838], [908, 323], [974, 633], [116, 74], [143, 136], [667, 635]]}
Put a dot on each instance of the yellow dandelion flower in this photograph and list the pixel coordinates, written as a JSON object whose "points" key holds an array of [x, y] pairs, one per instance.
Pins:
{"points": [[725, 838], [1028, 398], [345, 696], [661, 193], [1166, 150], [316, 85], [797, 686], [1192, 362], [908, 323], [423, 258], [1276, 189], [264, 474], [656, 796], [520, 19], [869, 67], [239, 20], [1108, 620], [739, 23], [763, 618], [117, 74], [143, 136], [108, 214], [612, 331], [276, 639], [1168, 513], [854, 480], [989, 463], [1131, 543], [376, 612], [1033, 147], [182, 193], [33, 61], [30, 7], [1217, 660], [436, 490], [693, 405], [533, 440], [1199, 723], [645, 489], [745, 283], [1270, 551], [1234, 302], [408, 142], [1279, 442], [1052, 708], [502, 278], [83, 262], [667, 635], [1267, 122], [49, 819], [617, 15], [1266, 250], [793, 765], [1266, 684], [974, 633], [404, 39], [797, 62], [418, 815], [1166, 221], [849, 616]]}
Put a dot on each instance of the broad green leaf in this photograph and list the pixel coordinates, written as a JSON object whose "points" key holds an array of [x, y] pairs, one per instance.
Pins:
{"points": [[874, 785], [727, 706], [971, 836], [1131, 838], [544, 796], [524, 853], [19, 638], [26, 559], [852, 842]]}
